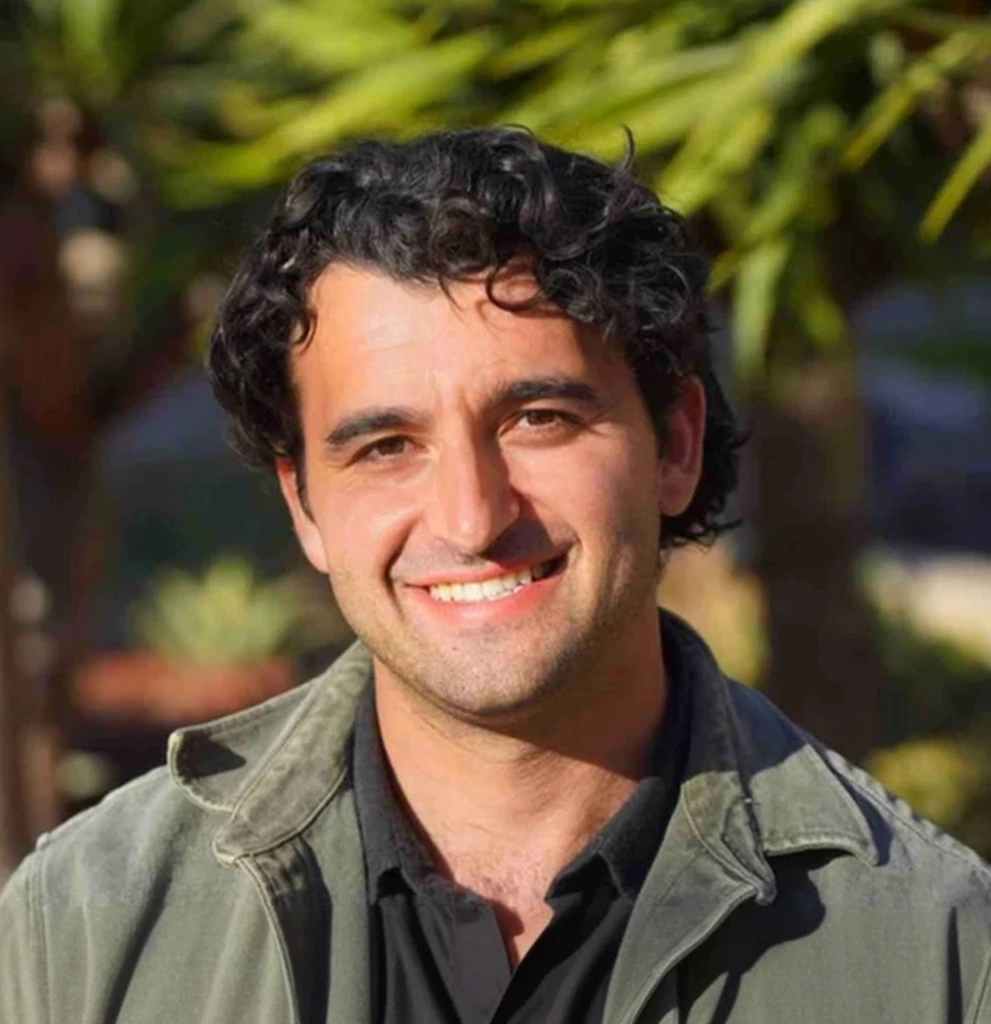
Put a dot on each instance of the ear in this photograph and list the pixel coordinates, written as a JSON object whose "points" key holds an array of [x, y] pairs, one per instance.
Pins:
{"points": [[307, 532], [680, 464]]}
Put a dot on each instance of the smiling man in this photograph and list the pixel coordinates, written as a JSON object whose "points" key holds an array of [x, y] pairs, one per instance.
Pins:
{"points": [[479, 367]]}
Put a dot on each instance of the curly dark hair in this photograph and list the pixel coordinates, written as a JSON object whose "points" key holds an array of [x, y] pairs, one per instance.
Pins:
{"points": [[454, 205]]}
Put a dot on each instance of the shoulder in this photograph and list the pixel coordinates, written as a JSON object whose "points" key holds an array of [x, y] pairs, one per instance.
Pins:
{"points": [[907, 842], [164, 822], [117, 851], [92, 884], [927, 892], [879, 888], [910, 850]]}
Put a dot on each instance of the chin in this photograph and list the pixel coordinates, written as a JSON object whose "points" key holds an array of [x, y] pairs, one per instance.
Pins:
{"points": [[493, 696]]}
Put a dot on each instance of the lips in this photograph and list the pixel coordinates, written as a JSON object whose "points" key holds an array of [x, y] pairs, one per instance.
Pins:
{"points": [[463, 604], [484, 584], [493, 588]]}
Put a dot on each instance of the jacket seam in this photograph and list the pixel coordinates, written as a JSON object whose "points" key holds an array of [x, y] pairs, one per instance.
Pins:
{"points": [[744, 891], [779, 843], [835, 783], [204, 805], [694, 642], [981, 871], [291, 832], [270, 756]]}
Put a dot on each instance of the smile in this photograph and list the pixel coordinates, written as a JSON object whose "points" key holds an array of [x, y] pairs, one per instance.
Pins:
{"points": [[495, 588]]}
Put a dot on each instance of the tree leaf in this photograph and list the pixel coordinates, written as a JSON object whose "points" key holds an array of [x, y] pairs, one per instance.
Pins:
{"points": [[776, 50], [963, 177], [812, 301], [756, 296], [87, 32], [659, 122], [325, 41], [940, 24], [898, 101], [533, 50], [689, 182], [379, 98]]}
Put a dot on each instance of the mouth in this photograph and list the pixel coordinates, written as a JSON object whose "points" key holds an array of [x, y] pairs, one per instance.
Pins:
{"points": [[498, 587]]}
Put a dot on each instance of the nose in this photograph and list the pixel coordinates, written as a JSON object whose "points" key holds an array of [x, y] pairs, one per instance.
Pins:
{"points": [[472, 501]]}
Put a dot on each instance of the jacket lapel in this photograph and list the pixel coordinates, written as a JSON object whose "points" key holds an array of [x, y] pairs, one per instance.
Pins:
{"points": [[279, 773], [686, 895], [755, 787]]}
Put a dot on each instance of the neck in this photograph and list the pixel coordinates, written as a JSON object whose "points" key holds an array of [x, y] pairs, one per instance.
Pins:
{"points": [[504, 810]]}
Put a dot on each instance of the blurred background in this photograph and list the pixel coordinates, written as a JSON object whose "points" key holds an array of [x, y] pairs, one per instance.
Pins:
{"points": [[834, 158]]}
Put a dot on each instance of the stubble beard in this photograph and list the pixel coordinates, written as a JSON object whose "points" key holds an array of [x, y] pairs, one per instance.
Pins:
{"points": [[501, 684]]}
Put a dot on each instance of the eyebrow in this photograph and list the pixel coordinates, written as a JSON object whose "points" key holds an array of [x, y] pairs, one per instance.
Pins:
{"points": [[547, 387], [379, 419], [369, 421]]}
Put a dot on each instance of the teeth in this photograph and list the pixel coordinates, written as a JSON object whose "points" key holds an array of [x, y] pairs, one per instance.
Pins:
{"points": [[489, 590]]}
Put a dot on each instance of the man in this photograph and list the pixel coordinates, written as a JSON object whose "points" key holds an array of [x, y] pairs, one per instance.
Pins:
{"points": [[479, 367]]}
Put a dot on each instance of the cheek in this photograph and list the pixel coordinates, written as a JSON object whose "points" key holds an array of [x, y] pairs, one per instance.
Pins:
{"points": [[605, 496], [363, 528]]}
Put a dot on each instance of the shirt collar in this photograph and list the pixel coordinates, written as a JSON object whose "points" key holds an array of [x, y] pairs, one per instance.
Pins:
{"points": [[386, 834]]}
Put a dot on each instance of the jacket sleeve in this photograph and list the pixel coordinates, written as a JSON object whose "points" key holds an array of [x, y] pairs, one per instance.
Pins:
{"points": [[23, 983]]}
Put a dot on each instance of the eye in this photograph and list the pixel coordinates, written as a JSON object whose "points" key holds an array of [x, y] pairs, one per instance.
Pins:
{"points": [[543, 419], [384, 449]]}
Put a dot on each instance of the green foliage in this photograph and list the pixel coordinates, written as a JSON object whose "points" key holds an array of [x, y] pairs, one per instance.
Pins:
{"points": [[917, 80], [938, 777], [113, 56], [937, 718], [228, 616], [757, 281], [381, 96], [760, 115], [971, 165], [933, 686], [791, 127]]}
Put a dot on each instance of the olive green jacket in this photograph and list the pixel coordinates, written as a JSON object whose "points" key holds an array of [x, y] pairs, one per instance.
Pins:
{"points": [[789, 888]]}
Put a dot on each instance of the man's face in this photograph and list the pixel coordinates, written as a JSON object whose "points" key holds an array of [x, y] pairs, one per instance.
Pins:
{"points": [[484, 489]]}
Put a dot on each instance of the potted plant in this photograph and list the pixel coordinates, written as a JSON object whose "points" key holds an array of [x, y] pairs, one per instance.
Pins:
{"points": [[208, 645]]}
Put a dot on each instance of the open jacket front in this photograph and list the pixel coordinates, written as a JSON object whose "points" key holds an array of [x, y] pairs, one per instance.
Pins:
{"points": [[789, 888]]}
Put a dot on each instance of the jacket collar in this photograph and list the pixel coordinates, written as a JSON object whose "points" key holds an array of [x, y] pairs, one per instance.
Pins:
{"points": [[272, 768], [755, 785]]}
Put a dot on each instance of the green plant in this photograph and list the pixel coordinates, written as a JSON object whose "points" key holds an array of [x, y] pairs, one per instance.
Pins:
{"points": [[228, 615], [939, 777], [936, 700]]}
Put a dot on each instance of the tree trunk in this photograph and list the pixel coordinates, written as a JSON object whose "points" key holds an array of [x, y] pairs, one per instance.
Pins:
{"points": [[825, 669], [45, 441], [14, 830]]}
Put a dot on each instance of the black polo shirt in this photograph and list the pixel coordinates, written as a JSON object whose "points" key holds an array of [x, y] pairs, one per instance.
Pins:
{"points": [[437, 954]]}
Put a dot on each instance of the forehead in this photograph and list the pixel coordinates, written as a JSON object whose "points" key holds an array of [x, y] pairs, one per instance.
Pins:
{"points": [[375, 336]]}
